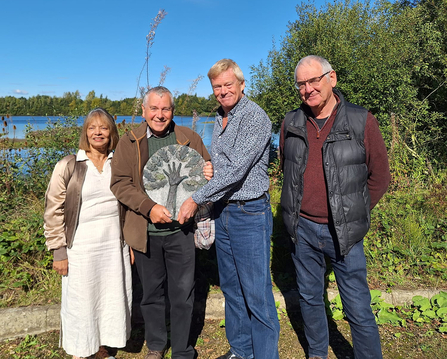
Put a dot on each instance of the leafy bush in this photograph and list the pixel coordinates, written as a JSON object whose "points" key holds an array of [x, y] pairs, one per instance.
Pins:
{"points": [[24, 175], [423, 310], [408, 235]]}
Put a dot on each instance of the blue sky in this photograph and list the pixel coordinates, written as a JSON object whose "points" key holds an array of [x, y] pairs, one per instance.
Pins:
{"points": [[49, 47]]}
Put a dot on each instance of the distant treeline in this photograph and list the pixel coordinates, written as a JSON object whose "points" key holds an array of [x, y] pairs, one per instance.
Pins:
{"points": [[71, 104]]}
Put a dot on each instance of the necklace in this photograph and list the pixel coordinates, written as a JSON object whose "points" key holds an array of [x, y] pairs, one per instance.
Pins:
{"points": [[98, 162]]}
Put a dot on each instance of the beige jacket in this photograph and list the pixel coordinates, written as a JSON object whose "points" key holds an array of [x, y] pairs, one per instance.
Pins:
{"points": [[62, 205], [128, 162]]}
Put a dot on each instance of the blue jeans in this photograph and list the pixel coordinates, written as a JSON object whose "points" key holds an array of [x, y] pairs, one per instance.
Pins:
{"points": [[243, 254], [315, 241]]}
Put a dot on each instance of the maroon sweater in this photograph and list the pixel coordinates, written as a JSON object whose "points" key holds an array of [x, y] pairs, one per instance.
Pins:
{"points": [[315, 206]]}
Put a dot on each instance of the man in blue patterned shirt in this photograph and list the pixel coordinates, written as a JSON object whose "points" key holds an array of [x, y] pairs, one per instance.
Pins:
{"points": [[243, 217]]}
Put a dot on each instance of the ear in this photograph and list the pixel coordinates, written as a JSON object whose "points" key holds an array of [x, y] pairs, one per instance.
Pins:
{"points": [[142, 107], [242, 85], [333, 78]]}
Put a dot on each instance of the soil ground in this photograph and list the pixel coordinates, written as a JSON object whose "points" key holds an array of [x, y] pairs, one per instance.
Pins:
{"points": [[413, 342]]}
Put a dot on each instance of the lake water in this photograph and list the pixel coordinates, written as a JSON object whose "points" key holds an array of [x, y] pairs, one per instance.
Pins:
{"points": [[15, 126]]}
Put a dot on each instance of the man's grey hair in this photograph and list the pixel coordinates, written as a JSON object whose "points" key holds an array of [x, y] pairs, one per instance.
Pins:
{"points": [[159, 91], [325, 65]]}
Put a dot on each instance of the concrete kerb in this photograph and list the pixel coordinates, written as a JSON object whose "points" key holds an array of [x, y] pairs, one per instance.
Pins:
{"points": [[22, 321]]}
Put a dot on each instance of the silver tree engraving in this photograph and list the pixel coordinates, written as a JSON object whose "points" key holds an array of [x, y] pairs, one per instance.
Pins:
{"points": [[174, 180], [172, 174]]}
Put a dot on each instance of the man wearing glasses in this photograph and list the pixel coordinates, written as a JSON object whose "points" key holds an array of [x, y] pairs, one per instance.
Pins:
{"points": [[335, 171], [164, 250]]}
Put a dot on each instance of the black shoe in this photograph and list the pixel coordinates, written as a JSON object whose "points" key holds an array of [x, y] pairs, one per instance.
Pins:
{"points": [[228, 355]]}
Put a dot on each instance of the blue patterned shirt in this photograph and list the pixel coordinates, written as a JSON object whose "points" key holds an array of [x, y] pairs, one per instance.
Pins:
{"points": [[240, 155]]}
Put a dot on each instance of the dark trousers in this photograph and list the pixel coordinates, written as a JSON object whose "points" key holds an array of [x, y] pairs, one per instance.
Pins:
{"points": [[169, 261]]}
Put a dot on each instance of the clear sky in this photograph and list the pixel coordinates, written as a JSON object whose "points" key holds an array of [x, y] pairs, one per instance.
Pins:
{"points": [[49, 47]]}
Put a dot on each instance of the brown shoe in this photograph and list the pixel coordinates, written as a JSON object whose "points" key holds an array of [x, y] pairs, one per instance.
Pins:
{"points": [[154, 354]]}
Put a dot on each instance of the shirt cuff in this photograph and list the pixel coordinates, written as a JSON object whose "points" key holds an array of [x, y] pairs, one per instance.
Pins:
{"points": [[60, 254]]}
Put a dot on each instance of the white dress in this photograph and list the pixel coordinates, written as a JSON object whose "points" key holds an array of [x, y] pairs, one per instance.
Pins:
{"points": [[97, 292]]}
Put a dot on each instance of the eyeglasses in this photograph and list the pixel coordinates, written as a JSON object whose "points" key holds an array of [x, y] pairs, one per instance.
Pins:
{"points": [[314, 81]]}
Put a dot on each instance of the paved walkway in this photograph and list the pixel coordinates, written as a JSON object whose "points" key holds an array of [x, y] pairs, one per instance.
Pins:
{"points": [[22, 321]]}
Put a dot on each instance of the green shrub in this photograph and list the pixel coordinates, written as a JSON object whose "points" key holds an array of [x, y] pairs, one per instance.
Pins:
{"points": [[25, 264], [408, 235]]}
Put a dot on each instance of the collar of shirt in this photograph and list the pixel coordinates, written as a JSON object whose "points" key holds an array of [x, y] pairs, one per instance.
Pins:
{"points": [[310, 114], [150, 134], [220, 112], [82, 156]]}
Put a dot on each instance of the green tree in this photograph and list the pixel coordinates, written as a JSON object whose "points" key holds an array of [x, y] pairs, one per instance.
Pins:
{"points": [[88, 101], [389, 58], [72, 104]]}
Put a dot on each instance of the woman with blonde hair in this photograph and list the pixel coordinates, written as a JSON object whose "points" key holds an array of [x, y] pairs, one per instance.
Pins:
{"points": [[81, 222]]}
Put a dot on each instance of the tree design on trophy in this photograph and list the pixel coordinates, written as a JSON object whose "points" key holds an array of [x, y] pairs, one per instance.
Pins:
{"points": [[172, 174]]}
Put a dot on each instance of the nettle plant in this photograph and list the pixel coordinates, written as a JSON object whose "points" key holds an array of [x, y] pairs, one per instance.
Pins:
{"points": [[422, 310]]}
